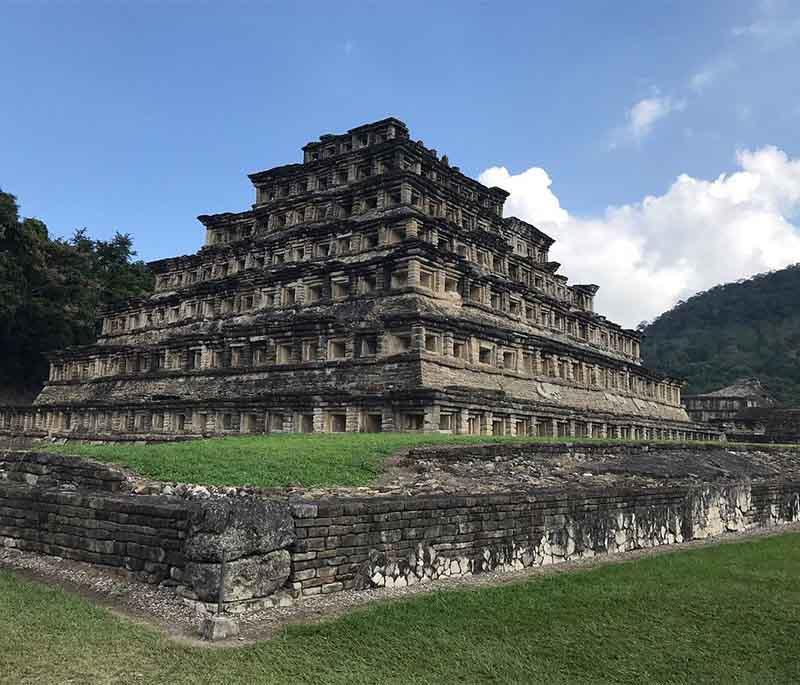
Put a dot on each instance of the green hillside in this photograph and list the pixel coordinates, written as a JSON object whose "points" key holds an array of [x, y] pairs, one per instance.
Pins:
{"points": [[747, 328]]}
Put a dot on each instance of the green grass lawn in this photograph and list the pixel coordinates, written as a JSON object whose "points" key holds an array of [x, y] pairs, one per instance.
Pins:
{"points": [[276, 460], [725, 614]]}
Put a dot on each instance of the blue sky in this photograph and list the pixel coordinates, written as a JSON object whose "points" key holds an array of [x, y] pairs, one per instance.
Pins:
{"points": [[139, 116]]}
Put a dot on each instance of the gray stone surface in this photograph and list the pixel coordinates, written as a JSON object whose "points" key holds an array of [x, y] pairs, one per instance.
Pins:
{"points": [[215, 628], [247, 578], [50, 470], [237, 527], [144, 535], [397, 541]]}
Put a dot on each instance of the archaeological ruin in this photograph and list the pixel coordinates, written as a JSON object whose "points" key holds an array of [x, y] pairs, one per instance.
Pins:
{"points": [[746, 411], [445, 511], [726, 404], [372, 287]]}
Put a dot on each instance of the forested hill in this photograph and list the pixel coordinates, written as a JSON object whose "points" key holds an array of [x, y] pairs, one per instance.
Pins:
{"points": [[748, 328], [51, 291]]}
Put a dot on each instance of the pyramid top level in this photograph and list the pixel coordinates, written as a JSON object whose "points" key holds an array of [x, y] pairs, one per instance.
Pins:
{"points": [[384, 138], [330, 144]]}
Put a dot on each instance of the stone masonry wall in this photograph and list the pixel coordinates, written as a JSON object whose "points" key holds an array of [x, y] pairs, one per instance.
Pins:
{"points": [[399, 541], [249, 551], [205, 547], [144, 535], [50, 470]]}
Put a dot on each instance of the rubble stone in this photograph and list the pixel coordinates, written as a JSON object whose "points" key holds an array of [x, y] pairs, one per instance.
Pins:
{"points": [[216, 628]]}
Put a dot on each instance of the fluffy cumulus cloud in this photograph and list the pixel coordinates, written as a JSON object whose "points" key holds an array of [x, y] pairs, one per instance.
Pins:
{"points": [[647, 255], [643, 115]]}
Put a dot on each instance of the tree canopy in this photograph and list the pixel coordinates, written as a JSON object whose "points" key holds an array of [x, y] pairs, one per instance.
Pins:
{"points": [[747, 328], [51, 291]]}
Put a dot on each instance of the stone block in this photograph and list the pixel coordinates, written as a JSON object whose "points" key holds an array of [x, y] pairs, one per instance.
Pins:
{"points": [[303, 510], [245, 578], [215, 628], [237, 527]]}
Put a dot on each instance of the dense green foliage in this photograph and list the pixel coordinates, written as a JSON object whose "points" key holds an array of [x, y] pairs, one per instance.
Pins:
{"points": [[51, 290], [748, 328], [725, 614], [307, 459]]}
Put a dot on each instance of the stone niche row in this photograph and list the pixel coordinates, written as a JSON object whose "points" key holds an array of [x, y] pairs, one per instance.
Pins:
{"points": [[356, 161], [418, 275], [156, 422], [521, 263], [341, 286], [276, 351], [394, 195]]}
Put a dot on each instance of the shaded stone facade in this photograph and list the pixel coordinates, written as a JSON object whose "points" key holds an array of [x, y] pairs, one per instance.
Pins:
{"points": [[746, 412], [374, 287], [729, 402]]}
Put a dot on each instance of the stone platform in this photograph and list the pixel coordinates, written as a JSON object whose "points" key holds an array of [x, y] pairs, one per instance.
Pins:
{"points": [[437, 512]]}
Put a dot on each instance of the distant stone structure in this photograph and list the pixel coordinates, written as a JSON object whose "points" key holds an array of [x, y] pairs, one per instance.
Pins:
{"points": [[727, 403], [746, 411], [764, 424], [374, 287]]}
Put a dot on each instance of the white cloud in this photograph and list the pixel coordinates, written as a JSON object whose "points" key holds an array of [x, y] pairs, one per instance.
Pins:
{"points": [[710, 74], [530, 194], [647, 255], [702, 79], [643, 115], [777, 25], [774, 33]]}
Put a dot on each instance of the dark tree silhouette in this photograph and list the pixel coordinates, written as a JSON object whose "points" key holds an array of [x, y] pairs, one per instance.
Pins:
{"points": [[51, 290]]}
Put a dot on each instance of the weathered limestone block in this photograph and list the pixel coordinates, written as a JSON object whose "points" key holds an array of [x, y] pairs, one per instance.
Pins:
{"points": [[215, 628], [237, 527], [734, 507], [702, 516], [246, 578]]}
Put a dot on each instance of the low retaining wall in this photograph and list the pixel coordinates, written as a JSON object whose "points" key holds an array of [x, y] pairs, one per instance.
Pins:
{"points": [[83, 510], [144, 535], [49, 470], [398, 541], [221, 548], [251, 552]]}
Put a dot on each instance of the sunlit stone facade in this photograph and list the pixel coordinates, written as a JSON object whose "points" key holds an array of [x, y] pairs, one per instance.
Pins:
{"points": [[372, 287]]}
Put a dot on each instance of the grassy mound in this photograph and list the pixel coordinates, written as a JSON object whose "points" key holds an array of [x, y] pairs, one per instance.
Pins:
{"points": [[314, 459]]}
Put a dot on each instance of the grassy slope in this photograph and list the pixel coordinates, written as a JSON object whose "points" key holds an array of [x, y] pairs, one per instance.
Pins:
{"points": [[268, 461], [318, 459], [727, 614]]}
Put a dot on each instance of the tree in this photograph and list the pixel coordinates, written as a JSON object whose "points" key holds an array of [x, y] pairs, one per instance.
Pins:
{"points": [[51, 291], [747, 328]]}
